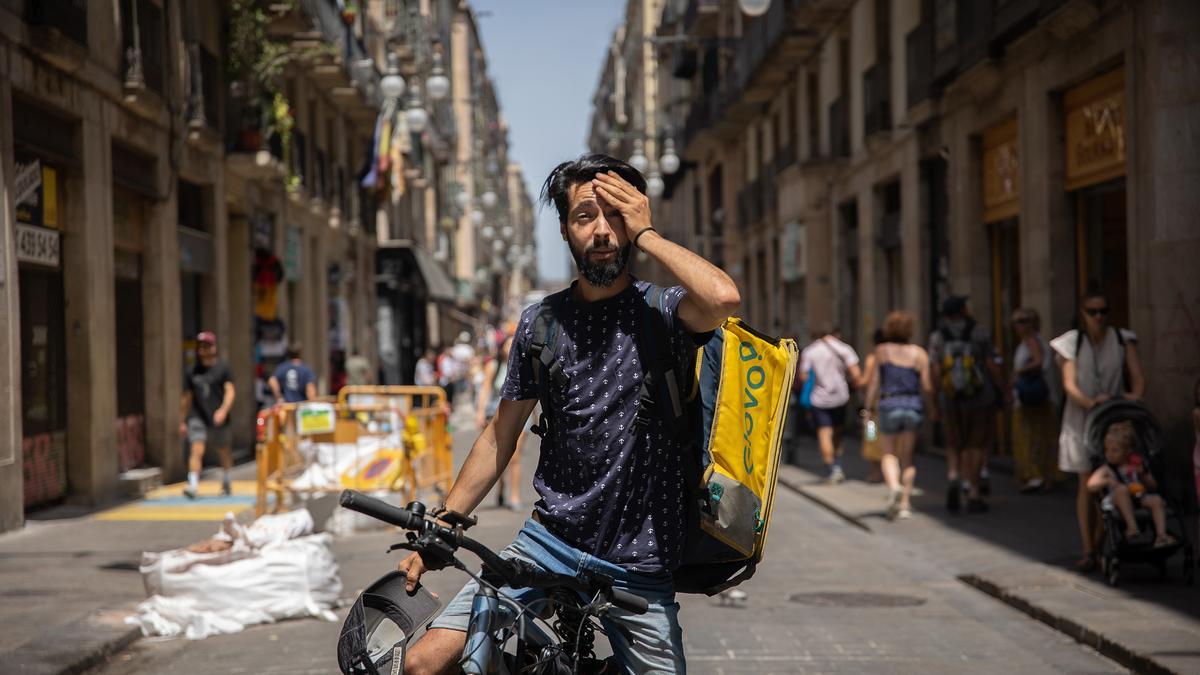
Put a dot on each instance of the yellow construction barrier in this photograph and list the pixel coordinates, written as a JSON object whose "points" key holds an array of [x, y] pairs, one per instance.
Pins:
{"points": [[371, 438]]}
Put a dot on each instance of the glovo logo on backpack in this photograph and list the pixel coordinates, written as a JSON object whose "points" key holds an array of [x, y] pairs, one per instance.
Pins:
{"points": [[745, 435]]}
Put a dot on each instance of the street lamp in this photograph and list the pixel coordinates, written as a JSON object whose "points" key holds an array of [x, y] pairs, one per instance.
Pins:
{"points": [[438, 85], [489, 199], [392, 84], [669, 161], [506, 232], [416, 116], [462, 198], [477, 217], [638, 160], [487, 232], [754, 7], [654, 184]]}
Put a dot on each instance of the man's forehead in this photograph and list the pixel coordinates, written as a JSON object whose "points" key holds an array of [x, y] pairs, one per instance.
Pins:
{"points": [[582, 191]]}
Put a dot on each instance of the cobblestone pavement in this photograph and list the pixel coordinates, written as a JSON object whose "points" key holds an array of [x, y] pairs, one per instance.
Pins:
{"points": [[828, 598]]}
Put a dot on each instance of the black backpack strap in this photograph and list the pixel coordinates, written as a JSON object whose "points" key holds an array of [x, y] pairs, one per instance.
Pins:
{"points": [[660, 383], [543, 356]]}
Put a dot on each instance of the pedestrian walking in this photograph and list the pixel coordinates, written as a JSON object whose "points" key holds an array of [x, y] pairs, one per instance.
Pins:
{"points": [[611, 499], [1034, 406], [898, 388], [833, 365], [358, 370], [495, 371], [425, 373], [293, 381], [447, 374], [1098, 362], [964, 369], [208, 395]]}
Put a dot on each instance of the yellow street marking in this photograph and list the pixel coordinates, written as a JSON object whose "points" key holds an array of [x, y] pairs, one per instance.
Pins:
{"points": [[214, 512]]}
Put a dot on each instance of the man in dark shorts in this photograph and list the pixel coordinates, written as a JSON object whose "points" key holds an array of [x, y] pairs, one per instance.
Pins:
{"points": [[207, 398], [611, 496], [965, 374]]}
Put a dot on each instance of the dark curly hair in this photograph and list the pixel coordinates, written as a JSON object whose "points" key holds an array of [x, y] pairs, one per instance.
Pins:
{"points": [[556, 189]]}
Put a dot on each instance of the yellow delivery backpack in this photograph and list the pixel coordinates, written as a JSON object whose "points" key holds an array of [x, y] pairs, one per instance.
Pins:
{"points": [[728, 404]]}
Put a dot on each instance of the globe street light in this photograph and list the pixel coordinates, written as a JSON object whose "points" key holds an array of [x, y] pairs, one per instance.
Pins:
{"points": [[416, 116], [669, 161], [392, 84], [477, 217], [754, 7], [638, 160], [489, 199], [506, 232], [487, 232], [654, 184], [438, 85], [462, 198]]}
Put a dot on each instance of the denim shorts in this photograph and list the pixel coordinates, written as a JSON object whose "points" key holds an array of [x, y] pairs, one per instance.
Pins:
{"points": [[657, 637], [899, 419]]}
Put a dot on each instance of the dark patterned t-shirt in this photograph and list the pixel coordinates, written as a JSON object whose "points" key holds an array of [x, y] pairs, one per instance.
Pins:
{"points": [[605, 489]]}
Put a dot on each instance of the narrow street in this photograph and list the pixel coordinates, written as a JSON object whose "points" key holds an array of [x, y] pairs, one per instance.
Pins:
{"points": [[828, 598]]}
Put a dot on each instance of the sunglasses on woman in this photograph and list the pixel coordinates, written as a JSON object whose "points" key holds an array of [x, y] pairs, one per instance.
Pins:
{"points": [[1095, 311]]}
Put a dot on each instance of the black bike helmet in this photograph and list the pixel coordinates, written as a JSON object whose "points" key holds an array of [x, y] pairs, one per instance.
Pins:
{"points": [[379, 625]]}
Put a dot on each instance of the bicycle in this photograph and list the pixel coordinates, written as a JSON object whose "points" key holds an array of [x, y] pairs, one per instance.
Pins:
{"points": [[496, 619]]}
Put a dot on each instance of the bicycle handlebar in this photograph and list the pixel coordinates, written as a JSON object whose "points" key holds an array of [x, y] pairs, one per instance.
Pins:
{"points": [[516, 573]]}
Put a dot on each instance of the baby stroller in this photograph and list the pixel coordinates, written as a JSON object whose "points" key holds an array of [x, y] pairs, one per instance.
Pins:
{"points": [[1117, 550]]}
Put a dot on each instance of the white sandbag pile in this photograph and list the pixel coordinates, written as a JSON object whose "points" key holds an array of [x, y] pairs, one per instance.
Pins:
{"points": [[274, 569]]}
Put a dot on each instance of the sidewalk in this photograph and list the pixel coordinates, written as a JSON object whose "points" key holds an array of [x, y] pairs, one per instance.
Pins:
{"points": [[1021, 552], [67, 586], [70, 577]]}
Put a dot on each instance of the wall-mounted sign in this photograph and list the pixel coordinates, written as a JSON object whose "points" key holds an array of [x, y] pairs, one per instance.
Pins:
{"points": [[37, 245], [36, 191], [1001, 172], [792, 252], [1095, 113]]}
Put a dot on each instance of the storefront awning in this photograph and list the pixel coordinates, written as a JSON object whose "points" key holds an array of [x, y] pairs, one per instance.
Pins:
{"points": [[438, 284]]}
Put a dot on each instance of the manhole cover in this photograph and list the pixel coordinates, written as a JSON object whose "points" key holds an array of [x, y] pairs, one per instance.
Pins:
{"points": [[857, 600]]}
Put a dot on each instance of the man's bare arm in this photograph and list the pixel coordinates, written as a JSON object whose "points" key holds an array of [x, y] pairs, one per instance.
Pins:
{"points": [[711, 295], [489, 456]]}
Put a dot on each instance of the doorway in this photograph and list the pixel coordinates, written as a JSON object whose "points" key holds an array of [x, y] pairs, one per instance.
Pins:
{"points": [[1101, 254]]}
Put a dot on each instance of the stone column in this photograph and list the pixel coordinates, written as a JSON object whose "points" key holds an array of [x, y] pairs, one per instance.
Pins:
{"points": [[239, 312], [12, 503], [90, 315], [1162, 106], [163, 337], [1047, 228]]}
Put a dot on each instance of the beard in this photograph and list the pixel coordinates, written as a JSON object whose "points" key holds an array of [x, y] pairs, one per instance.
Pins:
{"points": [[601, 274]]}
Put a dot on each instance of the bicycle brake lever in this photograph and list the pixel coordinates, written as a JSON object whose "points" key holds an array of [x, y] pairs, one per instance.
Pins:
{"points": [[398, 547]]}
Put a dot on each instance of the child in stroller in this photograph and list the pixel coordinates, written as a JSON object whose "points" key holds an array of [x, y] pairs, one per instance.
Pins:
{"points": [[1124, 443], [1127, 484]]}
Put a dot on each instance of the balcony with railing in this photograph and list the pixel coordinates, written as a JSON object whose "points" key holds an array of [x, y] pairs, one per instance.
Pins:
{"points": [[877, 98], [254, 147]]}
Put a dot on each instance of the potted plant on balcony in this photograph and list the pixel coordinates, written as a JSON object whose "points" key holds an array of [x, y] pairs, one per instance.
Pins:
{"points": [[349, 13]]}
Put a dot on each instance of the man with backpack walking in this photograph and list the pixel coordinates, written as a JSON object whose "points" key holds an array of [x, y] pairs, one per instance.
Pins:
{"points": [[833, 367], [965, 374], [610, 476]]}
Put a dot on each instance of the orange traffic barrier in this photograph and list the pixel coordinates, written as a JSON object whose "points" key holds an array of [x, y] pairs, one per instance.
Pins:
{"points": [[371, 438]]}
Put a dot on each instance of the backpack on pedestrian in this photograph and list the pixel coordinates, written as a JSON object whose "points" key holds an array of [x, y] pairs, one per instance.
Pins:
{"points": [[728, 404], [962, 372]]}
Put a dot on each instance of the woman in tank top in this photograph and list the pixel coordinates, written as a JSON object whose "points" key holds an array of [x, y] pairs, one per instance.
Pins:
{"points": [[899, 388]]}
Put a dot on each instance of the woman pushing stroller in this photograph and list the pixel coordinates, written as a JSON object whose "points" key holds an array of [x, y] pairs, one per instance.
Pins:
{"points": [[1128, 484]]}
